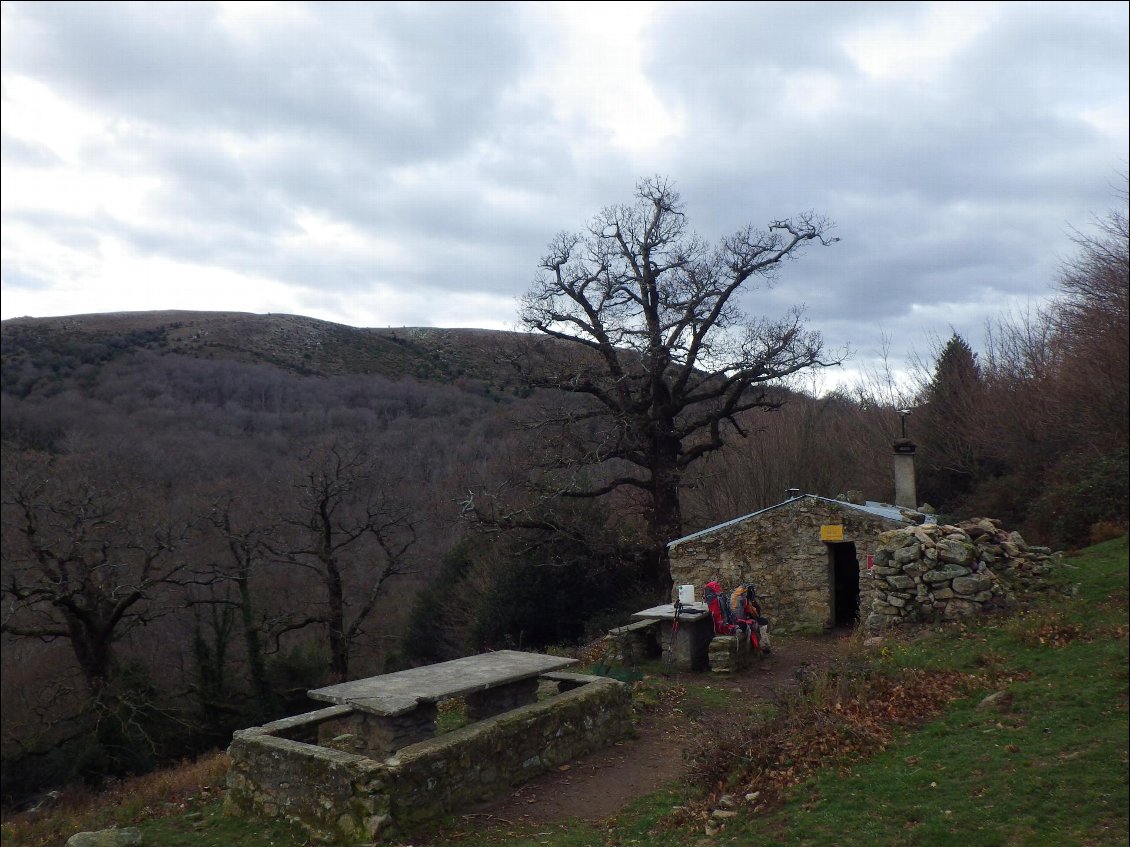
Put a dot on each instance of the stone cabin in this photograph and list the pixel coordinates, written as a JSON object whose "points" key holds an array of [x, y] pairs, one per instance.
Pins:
{"points": [[805, 556]]}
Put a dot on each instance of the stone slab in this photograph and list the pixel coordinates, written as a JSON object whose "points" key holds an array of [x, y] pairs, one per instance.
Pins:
{"points": [[397, 693], [666, 612]]}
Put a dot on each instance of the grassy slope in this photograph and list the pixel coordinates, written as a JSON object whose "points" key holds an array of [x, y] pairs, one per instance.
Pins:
{"points": [[1051, 768]]}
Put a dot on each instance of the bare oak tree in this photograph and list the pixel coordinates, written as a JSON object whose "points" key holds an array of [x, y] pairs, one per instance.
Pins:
{"points": [[667, 358]]}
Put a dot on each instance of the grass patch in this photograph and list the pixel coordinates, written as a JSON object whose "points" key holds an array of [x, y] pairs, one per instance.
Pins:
{"points": [[451, 714], [1044, 762], [208, 826], [169, 792]]}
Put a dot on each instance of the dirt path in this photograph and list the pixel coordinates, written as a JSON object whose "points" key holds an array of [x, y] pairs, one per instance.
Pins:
{"points": [[599, 785]]}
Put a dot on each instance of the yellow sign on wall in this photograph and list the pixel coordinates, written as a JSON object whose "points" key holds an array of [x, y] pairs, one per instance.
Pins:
{"points": [[832, 532]]}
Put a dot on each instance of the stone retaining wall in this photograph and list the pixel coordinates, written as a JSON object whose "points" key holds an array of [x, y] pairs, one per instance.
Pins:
{"points": [[949, 572], [344, 797]]}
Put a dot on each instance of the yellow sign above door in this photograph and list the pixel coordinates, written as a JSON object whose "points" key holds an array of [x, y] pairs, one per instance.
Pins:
{"points": [[832, 532]]}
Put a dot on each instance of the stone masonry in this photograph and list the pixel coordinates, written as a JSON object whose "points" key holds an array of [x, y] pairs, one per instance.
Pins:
{"points": [[338, 796], [781, 552], [949, 572], [730, 654]]}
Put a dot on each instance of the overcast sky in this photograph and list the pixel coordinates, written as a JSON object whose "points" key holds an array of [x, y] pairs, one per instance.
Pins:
{"points": [[392, 165]]}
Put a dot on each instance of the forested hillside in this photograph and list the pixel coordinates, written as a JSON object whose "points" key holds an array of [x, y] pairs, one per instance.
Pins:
{"points": [[206, 514]]}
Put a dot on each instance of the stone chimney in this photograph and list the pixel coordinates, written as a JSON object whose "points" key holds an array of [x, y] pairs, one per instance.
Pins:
{"points": [[906, 494]]}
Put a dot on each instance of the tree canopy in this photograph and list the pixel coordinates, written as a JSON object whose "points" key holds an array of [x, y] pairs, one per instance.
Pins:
{"points": [[668, 356]]}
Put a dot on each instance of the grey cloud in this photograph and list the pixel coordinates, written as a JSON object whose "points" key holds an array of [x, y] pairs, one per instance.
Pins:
{"points": [[947, 193], [403, 121], [400, 83]]}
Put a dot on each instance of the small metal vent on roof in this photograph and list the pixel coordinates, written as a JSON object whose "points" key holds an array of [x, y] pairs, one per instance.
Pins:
{"points": [[792, 493]]}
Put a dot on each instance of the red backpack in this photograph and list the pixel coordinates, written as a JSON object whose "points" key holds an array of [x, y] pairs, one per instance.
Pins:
{"points": [[718, 602]]}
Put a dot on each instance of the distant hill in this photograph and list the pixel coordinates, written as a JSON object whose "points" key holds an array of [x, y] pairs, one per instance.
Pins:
{"points": [[297, 344]]}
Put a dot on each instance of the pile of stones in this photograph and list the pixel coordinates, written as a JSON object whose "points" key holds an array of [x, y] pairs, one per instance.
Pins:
{"points": [[1023, 569], [948, 572]]}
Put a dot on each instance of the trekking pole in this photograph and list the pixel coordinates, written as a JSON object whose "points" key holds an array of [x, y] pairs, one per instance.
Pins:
{"points": [[674, 632]]}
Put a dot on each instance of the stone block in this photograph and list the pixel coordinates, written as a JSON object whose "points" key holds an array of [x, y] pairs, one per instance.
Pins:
{"points": [[958, 608], [883, 608], [907, 554], [729, 653], [876, 622], [126, 837], [971, 584], [946, 573], [955, 551]]}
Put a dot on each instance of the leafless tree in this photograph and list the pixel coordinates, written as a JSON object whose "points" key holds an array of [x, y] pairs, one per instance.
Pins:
{"points": [[666, 358], [85, 557], [226, 586], [1091, 324], [351, 529]]}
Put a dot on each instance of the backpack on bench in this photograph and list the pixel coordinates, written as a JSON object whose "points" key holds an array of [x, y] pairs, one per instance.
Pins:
{"points": [[718, 602]]}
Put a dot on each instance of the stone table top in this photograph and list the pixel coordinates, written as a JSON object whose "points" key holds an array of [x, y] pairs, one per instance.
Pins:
{"points": [[393, 694], [666, 612]]}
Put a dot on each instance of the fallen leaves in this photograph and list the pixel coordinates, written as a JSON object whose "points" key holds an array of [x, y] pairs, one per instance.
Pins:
{"points": [[809, 733]]}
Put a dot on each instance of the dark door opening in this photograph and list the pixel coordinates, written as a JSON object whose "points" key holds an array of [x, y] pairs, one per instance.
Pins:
{"points": [[845, 584]]}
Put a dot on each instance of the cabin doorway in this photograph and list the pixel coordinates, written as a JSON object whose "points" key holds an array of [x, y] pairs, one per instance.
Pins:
{"points": [[845, 584]]}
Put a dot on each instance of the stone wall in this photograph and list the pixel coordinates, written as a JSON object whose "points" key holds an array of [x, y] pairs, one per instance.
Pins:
{"points": [[344, 797], [780, 551], [949, 572]]}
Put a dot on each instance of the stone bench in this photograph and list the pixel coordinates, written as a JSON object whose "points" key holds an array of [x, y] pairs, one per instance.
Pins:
{"points": [[730, 653], [635, 642]]}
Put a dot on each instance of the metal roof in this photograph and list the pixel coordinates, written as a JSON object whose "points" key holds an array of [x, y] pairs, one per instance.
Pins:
{"points": [[879, 510]]}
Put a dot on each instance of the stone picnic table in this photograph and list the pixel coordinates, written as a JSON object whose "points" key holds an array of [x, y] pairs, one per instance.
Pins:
{"points": [[394, 710], [688, 649]]}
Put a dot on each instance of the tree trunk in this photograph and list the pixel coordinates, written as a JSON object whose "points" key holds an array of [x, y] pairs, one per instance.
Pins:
{"points": [[339, 647], [667, 516], [91, 645], [260, 688]]}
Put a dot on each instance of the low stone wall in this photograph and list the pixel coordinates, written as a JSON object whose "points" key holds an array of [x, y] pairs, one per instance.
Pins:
{"points": [[949, 572], [343, 797]]}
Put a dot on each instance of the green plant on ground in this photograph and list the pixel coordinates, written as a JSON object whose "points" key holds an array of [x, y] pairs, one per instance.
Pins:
{"points": [[452, 714]]}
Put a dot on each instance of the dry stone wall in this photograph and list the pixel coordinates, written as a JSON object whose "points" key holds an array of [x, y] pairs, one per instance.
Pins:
{"points": [[341, 797], [949, 572]]}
